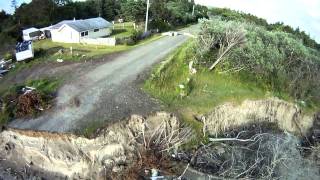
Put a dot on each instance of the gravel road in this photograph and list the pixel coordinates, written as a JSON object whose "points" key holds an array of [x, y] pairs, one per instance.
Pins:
{"points": [[108, 93]]}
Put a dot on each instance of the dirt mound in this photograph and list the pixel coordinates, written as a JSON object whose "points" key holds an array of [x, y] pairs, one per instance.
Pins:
{"points": [[287, 116], [68, 156]]}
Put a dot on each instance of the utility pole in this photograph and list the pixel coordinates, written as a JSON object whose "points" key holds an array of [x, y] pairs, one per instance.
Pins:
{"points": [[147, 16], [193, 10]]}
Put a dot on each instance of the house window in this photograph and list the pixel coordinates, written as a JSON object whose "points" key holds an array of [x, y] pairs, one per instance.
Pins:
{"points": [[85, 33], [96, 30]]}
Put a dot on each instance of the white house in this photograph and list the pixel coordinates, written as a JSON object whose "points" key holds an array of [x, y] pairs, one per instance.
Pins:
{"points": [[72, 31], [31, 34]]}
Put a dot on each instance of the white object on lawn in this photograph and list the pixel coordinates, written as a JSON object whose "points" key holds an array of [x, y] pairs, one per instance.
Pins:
{"points": [[24, 51], [170, 34], [181, 86]]}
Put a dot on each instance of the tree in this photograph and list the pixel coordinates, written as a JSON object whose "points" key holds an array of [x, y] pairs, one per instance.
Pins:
{"points": [[133, 10], [14, 4], [36, 13], [109, 7]]}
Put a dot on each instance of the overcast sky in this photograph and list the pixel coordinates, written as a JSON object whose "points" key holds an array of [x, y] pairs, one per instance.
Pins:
{"points": [[297, 13]]}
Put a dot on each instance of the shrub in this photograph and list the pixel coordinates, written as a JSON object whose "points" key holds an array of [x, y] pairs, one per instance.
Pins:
{"points": [[8, 56], [275, 59], [160, 25]]}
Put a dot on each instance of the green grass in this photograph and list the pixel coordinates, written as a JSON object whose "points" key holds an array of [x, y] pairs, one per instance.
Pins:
{"points": [[90, 130], [46, 50], [123, 30], [45, 85], [122, 33], [125, 25], [205, 90]]}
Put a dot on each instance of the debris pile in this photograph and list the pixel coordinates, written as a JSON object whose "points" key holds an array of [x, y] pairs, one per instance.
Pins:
{"points": [[263, 156], [29, 103], [5, 66]]}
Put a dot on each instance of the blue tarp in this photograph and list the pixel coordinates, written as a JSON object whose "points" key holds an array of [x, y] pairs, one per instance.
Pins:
{"points": [[23, 46]]}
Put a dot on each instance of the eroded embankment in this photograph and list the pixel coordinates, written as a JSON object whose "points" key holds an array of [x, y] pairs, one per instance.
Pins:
{"points": [[70, 156], [117, 147], [286, 116]]}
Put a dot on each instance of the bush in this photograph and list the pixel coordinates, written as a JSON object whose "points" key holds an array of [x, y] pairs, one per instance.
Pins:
{"points": [[16, 104], [8, 56], [160, 25], [274, 59], [133, 39]]}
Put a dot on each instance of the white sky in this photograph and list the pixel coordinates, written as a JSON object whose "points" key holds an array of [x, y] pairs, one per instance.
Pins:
{"points": [[296, 13], [304, 14]]}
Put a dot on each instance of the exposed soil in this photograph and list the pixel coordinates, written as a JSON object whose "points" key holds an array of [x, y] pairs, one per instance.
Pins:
{"points": [[36, 155]]}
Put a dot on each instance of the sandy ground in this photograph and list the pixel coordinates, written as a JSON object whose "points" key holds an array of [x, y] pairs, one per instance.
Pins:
{"points": [[106, 93]]}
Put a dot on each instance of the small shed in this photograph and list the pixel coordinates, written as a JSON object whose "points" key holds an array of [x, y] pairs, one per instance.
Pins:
{"points": [[31, 34]]}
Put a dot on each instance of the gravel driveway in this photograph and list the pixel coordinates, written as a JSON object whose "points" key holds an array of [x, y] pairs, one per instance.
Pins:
{"points": [[108, 93]]}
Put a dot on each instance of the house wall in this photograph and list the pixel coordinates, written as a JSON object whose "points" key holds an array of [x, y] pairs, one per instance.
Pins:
{"points": [[100, 33], [65, 35], [69, 35]]}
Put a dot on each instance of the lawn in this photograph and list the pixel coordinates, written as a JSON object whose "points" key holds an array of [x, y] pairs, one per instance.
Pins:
{"points": [[123, 30], [53, 51], [46, 50]]}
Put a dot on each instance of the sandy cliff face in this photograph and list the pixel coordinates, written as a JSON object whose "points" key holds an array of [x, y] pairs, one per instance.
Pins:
{"points": [[287, 116], [66, 155]]}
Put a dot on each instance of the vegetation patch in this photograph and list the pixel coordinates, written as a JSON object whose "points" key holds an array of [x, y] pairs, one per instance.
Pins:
{"points": [[202, 91], [27, 100], [233, 61]]}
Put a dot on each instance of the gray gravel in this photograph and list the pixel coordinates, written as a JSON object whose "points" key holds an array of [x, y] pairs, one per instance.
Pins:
{"points": [[108, 93]]}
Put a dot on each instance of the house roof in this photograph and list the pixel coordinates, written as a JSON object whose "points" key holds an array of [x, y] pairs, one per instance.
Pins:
{"points": [[30, 30], [84, 25]]}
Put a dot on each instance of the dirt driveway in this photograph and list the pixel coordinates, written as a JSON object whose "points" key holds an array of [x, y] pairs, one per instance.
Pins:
{"points": [[107, 93]]}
